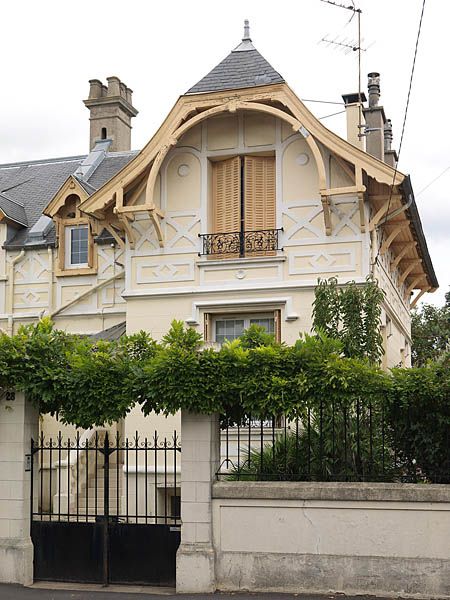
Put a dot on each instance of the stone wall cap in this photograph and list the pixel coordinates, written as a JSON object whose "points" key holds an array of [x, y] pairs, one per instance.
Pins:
{"points": [[290, 490]]}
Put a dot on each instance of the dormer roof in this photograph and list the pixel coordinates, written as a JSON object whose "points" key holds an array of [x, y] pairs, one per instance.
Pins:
{"points": [[244, 67]]}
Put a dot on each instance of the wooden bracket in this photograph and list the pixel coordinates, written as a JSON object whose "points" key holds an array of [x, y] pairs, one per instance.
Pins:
{"points": [[385, 246], [408, 270], [362, 214], [125, 220], [419, 296], [134, 195], [326, 213], [115, 235], [401, 254], [414, 283], [154, 215]]}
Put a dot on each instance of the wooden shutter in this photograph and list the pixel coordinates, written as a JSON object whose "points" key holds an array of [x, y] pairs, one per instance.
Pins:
{"points": [[259, 194], [226, 208]]}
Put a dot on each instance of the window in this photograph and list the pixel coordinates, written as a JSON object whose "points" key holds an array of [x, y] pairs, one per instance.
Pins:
{"points": [[243, 207], [231, 327], [103, 136], [77, 246]]}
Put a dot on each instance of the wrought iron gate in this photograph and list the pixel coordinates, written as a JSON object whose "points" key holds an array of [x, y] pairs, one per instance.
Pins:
{"points": [[106, 510]]}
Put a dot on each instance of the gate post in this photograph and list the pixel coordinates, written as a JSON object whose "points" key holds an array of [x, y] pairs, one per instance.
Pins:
{"points": [[19, 422], [200, 456]]}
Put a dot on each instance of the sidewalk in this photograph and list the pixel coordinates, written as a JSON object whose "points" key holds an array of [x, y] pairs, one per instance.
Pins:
{"points": [[49, 591]]}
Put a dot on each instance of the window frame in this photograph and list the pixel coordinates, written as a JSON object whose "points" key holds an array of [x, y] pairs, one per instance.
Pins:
{"points": [[68, 231], [246, 317]]}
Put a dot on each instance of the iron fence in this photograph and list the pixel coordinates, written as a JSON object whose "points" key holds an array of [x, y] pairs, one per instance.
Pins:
{"points": [[96, 476], [351, 441]]}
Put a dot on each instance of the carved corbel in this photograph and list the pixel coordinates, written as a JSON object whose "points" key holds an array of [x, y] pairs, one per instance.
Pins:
{"points": [[326, 213]]}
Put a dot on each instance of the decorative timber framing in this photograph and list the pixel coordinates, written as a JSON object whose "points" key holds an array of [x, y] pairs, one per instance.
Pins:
{"points": [[64, 209], [137, 180]]}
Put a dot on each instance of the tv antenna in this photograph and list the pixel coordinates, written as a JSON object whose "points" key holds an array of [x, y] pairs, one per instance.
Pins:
{"points": [[348, 45]]}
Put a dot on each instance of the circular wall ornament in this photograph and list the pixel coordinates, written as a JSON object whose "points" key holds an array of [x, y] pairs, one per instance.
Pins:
{"points": [[240, 274], [184, 170], [302, 159]]}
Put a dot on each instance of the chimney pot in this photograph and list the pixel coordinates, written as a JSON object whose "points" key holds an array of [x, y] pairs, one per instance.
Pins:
{"points": [[95, 90], [388, 137], [114, 84], [374, 89]]}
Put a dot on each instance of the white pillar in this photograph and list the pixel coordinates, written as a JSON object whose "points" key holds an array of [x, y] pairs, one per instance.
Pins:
{"points": [[200, 456], [19, 422]]}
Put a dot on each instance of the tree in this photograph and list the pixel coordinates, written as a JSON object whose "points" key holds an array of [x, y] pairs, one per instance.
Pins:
{"points": [[430, 332]]}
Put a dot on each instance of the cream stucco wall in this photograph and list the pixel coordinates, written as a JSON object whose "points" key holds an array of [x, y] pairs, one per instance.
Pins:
{"points": [[383, 539]]}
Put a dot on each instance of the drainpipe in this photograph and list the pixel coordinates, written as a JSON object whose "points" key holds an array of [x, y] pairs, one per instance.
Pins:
{"points": [[50, 278], [12, 264]]}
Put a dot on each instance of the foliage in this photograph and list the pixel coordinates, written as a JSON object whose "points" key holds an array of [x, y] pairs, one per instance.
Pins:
{"points": [[419, 417], [352, 314], [430, 332], [89, 384]]}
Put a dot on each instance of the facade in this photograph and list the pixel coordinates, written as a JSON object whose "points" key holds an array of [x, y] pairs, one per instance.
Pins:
{"points": [[228, 216]]}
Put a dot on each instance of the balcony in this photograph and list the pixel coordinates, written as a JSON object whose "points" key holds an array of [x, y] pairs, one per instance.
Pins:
{"points": [[240, 243]]}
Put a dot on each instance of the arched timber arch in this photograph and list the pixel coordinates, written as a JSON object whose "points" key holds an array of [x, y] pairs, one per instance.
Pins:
{"points": [[233, 107]]}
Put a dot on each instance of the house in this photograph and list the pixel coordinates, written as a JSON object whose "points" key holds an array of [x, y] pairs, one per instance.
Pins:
{"points": [[240, 201]]}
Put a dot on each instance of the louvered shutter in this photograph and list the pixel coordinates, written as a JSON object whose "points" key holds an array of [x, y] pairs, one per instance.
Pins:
{"points": [[226, 195], [226, 209], [259, 194]]}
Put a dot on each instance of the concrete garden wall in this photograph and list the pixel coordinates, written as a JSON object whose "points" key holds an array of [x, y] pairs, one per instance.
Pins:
{"points": [[385, 539]]}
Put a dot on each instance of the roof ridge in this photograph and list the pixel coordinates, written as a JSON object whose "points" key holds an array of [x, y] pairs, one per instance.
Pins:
{"points": [[44, 161]]}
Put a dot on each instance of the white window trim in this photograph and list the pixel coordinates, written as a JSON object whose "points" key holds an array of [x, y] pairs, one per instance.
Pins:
{"points": [[67, 246], [249, 305], [246, 317]]}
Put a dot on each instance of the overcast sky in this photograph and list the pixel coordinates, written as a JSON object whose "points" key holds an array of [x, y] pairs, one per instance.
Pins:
{"points": [[51, 48]]}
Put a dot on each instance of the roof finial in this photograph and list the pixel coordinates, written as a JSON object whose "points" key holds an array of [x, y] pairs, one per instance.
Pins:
{"points": [[246, 32]]}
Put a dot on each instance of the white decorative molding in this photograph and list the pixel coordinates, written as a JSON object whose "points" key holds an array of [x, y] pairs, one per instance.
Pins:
{"points": [[159, 272], [323, 261], [33, 268], [241, 268], [243, 303], [106, 258], [30, 299], [299, 223], [183, 230]]}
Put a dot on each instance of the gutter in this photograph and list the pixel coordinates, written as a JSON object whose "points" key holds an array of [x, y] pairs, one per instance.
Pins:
{"points": [[419, 235]]}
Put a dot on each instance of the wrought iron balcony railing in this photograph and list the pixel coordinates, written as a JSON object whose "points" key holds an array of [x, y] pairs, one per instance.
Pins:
{"points": [[240, 243]]}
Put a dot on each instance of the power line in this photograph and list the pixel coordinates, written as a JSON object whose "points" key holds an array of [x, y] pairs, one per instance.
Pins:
{"points": [[403, 126], [322, 101], [340, 112], [433, 180]]}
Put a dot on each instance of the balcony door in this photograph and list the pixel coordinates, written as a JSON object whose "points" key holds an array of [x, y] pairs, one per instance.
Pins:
{"points": [[244, 205]]}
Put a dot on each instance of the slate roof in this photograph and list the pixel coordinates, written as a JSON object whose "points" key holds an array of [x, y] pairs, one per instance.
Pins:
{"points": [[243, 67], [111, 334], [27, 187]]}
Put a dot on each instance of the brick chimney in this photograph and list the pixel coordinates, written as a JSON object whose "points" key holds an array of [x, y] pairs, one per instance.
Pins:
{"points": [[111, 111], [375, 119]]}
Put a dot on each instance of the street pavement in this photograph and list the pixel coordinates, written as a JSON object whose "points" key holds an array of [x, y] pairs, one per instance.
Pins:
{"points": [[91, 592]]}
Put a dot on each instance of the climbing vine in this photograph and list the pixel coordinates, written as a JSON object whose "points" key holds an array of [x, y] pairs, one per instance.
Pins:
{"points": [[351, 314]]}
